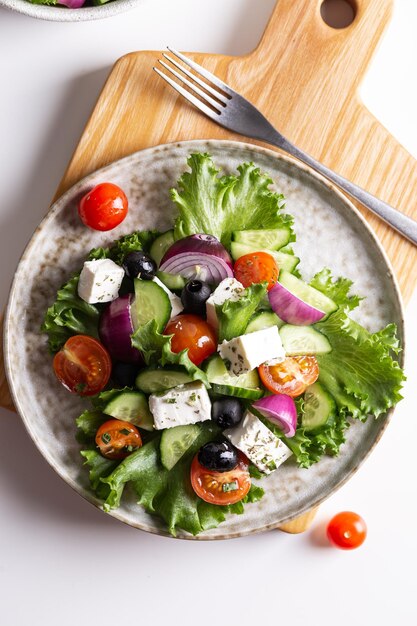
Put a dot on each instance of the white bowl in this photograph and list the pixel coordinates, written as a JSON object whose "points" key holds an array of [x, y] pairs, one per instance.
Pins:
{"points": [[63, 14]]}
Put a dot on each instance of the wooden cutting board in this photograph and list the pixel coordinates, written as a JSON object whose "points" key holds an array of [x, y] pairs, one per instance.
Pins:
{"points": [[304, 76]]}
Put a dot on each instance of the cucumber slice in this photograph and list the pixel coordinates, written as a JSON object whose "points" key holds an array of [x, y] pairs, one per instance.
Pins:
{"points": [[151, 303], [131, 406], [175, 442], [237, 392], [284, 261], [263, 319], [308, 294], [243, 386], [152, 381], [319, 408], [215, 368], [161, 245], [298, 340], [175, 282], [269, 239]]}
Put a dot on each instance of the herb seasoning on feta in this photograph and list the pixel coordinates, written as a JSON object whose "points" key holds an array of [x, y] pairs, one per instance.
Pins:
{"points": [[259, 444], [181, 405], [246, 352]]}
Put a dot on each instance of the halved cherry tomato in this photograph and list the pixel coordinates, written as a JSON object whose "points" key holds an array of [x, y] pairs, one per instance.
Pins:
{"points": [[221, 487], [83, 365], [291, 376], [347, 530], [104, 207], [117, 439], [256, 267], [193, 334]]}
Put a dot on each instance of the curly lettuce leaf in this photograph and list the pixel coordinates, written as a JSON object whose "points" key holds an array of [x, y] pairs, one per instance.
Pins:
{"points": [[335, 289], [69, 315], [360, 372], [168, 493], [133, 242], [99, 467], [88, 423], [234, 317], [219, 204], [156, 350]]}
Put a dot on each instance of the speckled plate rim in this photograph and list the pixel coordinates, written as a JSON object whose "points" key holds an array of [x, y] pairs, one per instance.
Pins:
{"points": [[190, 144], [63, 14]]}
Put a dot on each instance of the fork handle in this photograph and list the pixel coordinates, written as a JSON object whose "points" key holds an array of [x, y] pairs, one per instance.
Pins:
{"points": [[402, 223]]}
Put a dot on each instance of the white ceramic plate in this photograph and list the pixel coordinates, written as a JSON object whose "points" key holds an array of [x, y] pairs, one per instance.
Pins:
{"points": [[330, 232], [64, 14]]}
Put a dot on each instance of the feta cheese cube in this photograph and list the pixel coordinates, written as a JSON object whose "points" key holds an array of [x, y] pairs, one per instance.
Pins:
{"points": [[176, 304], [181, 405], [260, 445], [100, 281], [228, 289], [246, 352]]}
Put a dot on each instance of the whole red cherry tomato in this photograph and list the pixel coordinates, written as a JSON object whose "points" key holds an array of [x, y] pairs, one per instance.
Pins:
{"points": [[347, 530], [104, 207], [192, 333], [256, 267]]}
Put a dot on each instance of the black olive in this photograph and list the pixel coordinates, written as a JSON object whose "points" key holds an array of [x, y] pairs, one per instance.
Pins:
{"points": [[125, 374], [218, 456], [138, 263], [226, 412], [194, 296]]}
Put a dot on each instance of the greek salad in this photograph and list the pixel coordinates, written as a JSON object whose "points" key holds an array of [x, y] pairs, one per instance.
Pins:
{"points": [[207, 359]]}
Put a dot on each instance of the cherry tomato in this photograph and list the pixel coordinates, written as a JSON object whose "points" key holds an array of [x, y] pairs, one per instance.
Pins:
{"points": [[193, 334], [347, 530], [256, 267], [83, 365], [291, 376], [117, 439], [104, 207], [221, 487]]}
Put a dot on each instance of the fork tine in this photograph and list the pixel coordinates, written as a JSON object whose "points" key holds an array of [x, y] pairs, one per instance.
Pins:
{"points": [[203, 72], [198, 80], [188, 96], [193, 87]]}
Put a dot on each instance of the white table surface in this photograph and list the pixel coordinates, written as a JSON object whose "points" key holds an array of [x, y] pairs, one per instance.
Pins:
{"points": [[64, 562]]}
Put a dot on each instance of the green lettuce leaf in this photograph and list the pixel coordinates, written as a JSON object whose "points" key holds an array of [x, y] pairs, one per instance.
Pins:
{"points": [[218, 205], [234, 317], [335, 289], [139, 240], [169, 494], [88, 423], [360, 372], [100, 467], [156, 350], [69, 315]]}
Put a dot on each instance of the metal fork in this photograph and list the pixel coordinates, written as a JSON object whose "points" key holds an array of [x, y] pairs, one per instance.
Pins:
{"points": [[229, 109]]}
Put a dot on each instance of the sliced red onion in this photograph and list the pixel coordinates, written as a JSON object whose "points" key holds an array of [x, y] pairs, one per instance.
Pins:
{"points": [[115, 329], [280, 410], [72, 4], [198, 256], [292, 309]]}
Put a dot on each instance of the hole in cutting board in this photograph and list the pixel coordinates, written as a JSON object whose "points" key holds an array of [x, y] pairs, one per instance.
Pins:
{"points": [[338, 13]]}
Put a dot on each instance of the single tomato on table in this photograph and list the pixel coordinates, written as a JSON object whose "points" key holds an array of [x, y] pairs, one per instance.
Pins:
{"points": [[291, 376], [104, 207], [347, 530], [256, 267], [117, 439], [221, 487], [194, 334], [83, 365]]}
